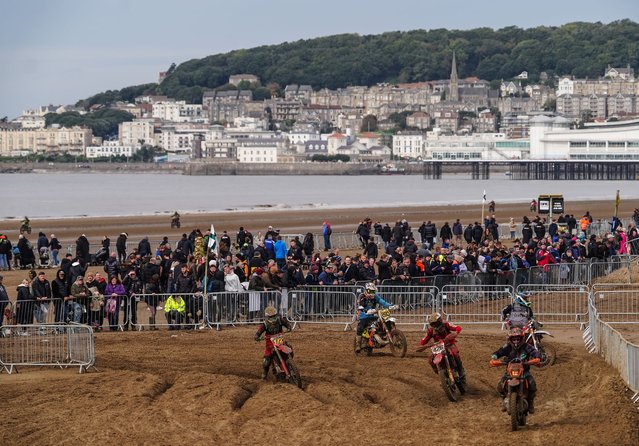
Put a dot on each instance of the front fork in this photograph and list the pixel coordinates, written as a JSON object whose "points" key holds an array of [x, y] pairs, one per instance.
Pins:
{"points": [[280, 363]]}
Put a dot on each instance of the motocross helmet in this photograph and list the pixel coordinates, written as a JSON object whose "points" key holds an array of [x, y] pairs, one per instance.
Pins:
{"points": [[435, 321], [521, 300], [516, 337], [370, 290], [270, 316]]}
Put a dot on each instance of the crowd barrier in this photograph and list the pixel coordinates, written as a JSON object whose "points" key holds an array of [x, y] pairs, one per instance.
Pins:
{"points": [[317, 305], [476, 304], [600, 337], [559, 303], [54, 345], [616, 303]]}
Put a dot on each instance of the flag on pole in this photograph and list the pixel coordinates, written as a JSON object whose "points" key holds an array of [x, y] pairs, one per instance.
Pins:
{"points": [[213, 240], [618, 199], [483, 198]]}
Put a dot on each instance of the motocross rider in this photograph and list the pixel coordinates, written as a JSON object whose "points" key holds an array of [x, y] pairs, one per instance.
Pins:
{"points": [[273, 324], [517, 348], [447, 332], [367, 304], [519, 313]]}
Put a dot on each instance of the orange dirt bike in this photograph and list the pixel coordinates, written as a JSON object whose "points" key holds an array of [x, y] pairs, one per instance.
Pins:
{"points": [[453, 384], [546, 351], [284, 369], [386, 333], [516, 400]]}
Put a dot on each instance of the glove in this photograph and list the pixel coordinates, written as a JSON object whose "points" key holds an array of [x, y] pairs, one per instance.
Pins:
{"points": [[493, 357], [371, 311], [393, 307]]}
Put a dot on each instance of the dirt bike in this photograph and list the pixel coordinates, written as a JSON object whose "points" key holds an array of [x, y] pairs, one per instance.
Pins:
{"points": [[25, 228], [546, 351], [516, 400], [284, 369], [175, 223], [452, 383], [385, 334]]}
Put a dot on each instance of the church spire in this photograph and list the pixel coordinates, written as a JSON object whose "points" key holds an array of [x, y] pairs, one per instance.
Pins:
{"points": [[454, 85]]}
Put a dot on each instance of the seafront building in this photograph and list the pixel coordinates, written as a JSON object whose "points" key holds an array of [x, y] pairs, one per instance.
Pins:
{"points": [[449, 119]]}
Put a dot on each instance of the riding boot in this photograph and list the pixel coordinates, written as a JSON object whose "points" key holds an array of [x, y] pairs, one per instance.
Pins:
{"points": [[266, 364], [371, 333], [461, 370], [358, 343], [531, 404]]}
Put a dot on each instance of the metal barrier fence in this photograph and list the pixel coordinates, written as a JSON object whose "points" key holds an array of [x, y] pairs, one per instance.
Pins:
{"points": [[601, 338], [477, 304], [320, 306], [414, 303], [246, 307], [600, 269], [618, 303], [558, 304], [46, 345]]}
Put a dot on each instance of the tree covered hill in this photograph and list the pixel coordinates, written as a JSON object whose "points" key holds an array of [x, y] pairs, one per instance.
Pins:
{"points": [[579, 49]]}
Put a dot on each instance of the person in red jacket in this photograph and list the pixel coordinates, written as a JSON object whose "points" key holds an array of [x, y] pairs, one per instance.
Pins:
{"points": [[447, 332]]}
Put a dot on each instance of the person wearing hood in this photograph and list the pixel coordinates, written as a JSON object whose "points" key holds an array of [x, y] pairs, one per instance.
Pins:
{"points": [[43, 241], [144, 247], [24, 303], [82, 249], [27, 257], [120, 246], [75, 270]]}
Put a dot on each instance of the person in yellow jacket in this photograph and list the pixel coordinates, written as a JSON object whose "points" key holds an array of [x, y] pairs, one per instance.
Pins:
{"points": [[174, 310]]}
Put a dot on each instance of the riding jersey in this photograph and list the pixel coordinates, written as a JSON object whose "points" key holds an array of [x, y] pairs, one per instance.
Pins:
{"points": [[517, 314], [440, 335], [364, 304], [525, 352]]}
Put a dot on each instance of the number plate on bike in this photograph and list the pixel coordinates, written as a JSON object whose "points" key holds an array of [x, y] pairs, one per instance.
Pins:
{"points": [[438, 348], [277, 341]]}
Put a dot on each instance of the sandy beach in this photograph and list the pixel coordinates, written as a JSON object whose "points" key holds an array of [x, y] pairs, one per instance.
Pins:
{"points": [[290, 220]]}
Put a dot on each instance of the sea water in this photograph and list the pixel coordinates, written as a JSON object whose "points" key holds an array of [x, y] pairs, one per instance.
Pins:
{"points": [[56, 195]]}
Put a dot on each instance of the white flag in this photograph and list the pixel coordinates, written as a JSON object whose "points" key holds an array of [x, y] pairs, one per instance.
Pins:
{"points": [[213, 240], [483, 198]]}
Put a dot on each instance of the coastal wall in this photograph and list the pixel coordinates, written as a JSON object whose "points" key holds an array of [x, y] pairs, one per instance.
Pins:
{"points": [[210, 168]]}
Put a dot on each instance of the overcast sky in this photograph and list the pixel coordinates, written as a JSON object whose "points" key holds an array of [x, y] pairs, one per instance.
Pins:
{"points": [[59, 51]]}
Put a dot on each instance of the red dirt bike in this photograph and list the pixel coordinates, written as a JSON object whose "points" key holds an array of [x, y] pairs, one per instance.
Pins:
{"points": [[385, 334], [516, 400], [546, 351], [452, 383], [284, 369]]}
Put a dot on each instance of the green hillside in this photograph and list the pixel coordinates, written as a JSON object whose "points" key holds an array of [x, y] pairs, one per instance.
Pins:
{"points": [[580, 49]]}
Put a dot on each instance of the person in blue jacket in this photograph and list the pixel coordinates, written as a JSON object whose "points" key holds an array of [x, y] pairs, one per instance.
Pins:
{"points": [[280, 252], [367, 305]]}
